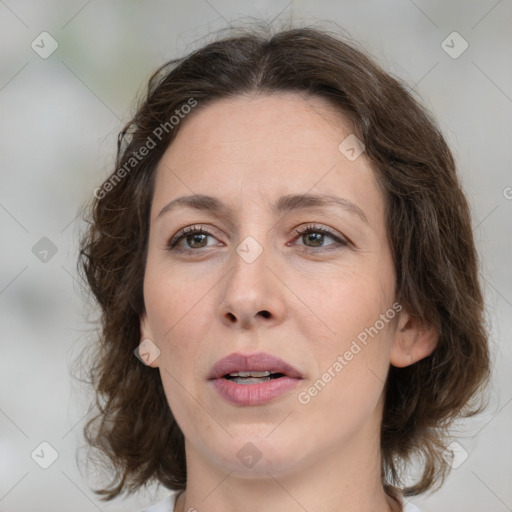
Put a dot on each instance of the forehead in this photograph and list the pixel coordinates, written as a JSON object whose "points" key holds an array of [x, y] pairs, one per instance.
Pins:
{"points": [[250, 150]]}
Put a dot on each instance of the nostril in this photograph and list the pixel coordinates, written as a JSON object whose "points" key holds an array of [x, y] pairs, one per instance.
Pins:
{"points": [[264, 313]]}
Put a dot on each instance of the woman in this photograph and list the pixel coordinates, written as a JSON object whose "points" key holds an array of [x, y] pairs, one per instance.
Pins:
{"points": [[285, 246]]}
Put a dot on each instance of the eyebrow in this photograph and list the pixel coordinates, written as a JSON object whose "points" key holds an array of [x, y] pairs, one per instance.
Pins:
{"points": [[283, 204]]}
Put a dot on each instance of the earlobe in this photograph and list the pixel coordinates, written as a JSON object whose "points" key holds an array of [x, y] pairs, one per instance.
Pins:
{"points": [[148, 352], [413, 341]]}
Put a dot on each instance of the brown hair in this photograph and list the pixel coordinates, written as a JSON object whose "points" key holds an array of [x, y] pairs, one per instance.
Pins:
{"points": [[429, 230]]}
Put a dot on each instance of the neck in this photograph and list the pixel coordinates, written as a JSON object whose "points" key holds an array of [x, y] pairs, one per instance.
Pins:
{"points": [[347, 479]]}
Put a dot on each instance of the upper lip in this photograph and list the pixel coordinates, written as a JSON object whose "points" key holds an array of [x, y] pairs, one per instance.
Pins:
{"points": [[260, 361]]}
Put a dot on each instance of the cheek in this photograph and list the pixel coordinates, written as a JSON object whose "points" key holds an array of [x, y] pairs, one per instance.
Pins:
{"points": [[174, 298], [179, 316], [178, 321], [353, 357], [352, 369], [348, 301]]}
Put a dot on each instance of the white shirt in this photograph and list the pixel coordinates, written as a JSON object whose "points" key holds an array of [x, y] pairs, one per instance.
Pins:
{"points": [[167, 505]]}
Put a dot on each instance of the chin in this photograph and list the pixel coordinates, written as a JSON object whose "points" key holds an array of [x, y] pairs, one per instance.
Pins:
{"points": [[254, 456]]}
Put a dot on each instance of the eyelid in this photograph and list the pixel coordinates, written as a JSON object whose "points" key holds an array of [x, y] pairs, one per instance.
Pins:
{"points": [[194, 229], [338, 237], [340, 240]]}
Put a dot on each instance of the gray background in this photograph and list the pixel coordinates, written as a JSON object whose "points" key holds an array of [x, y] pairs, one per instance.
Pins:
{"points": [[58, 128]]}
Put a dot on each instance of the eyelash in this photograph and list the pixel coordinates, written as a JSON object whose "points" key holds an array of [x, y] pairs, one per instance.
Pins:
{"points": [[311, 228]]}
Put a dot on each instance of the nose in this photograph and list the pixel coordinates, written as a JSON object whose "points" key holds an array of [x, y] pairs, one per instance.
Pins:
{"points": [[253, 294]]}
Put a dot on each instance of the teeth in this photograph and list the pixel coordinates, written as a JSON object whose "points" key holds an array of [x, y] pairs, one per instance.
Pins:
{"points": [[249, 380], [266, 373]]}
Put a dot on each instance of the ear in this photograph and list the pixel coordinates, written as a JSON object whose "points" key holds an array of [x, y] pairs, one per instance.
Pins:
{"points": [[148, 350], [413, 341]]}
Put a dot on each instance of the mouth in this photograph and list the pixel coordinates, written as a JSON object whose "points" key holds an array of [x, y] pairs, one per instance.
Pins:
{"points": [[253, 379]]}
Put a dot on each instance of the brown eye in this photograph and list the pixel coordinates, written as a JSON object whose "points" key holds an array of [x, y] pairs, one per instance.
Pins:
{"points": [[196, 241], [314, 237], [194, 238]]}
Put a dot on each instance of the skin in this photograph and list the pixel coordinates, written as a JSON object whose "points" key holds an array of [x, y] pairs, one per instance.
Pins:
{"points": [[318, 296]]}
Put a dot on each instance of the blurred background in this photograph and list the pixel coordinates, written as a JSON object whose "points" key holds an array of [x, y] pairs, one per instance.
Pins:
{"points": [[70, 74]]}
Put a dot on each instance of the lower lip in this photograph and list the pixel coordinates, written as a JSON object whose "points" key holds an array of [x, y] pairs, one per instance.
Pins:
{"points": [[253, 394]]}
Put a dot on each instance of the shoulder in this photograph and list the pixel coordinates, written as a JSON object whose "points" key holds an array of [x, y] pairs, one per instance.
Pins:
{"points": [[166, 505]]}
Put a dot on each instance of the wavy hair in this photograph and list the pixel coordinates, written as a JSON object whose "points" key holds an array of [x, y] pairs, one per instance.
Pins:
{"points": [[428, 227]]}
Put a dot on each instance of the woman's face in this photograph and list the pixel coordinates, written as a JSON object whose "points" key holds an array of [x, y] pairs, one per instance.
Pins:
{"points": [[293, 262]]}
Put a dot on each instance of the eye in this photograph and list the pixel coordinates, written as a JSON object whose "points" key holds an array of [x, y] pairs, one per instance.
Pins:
{"points": [[195, 238], [314, 236]]}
